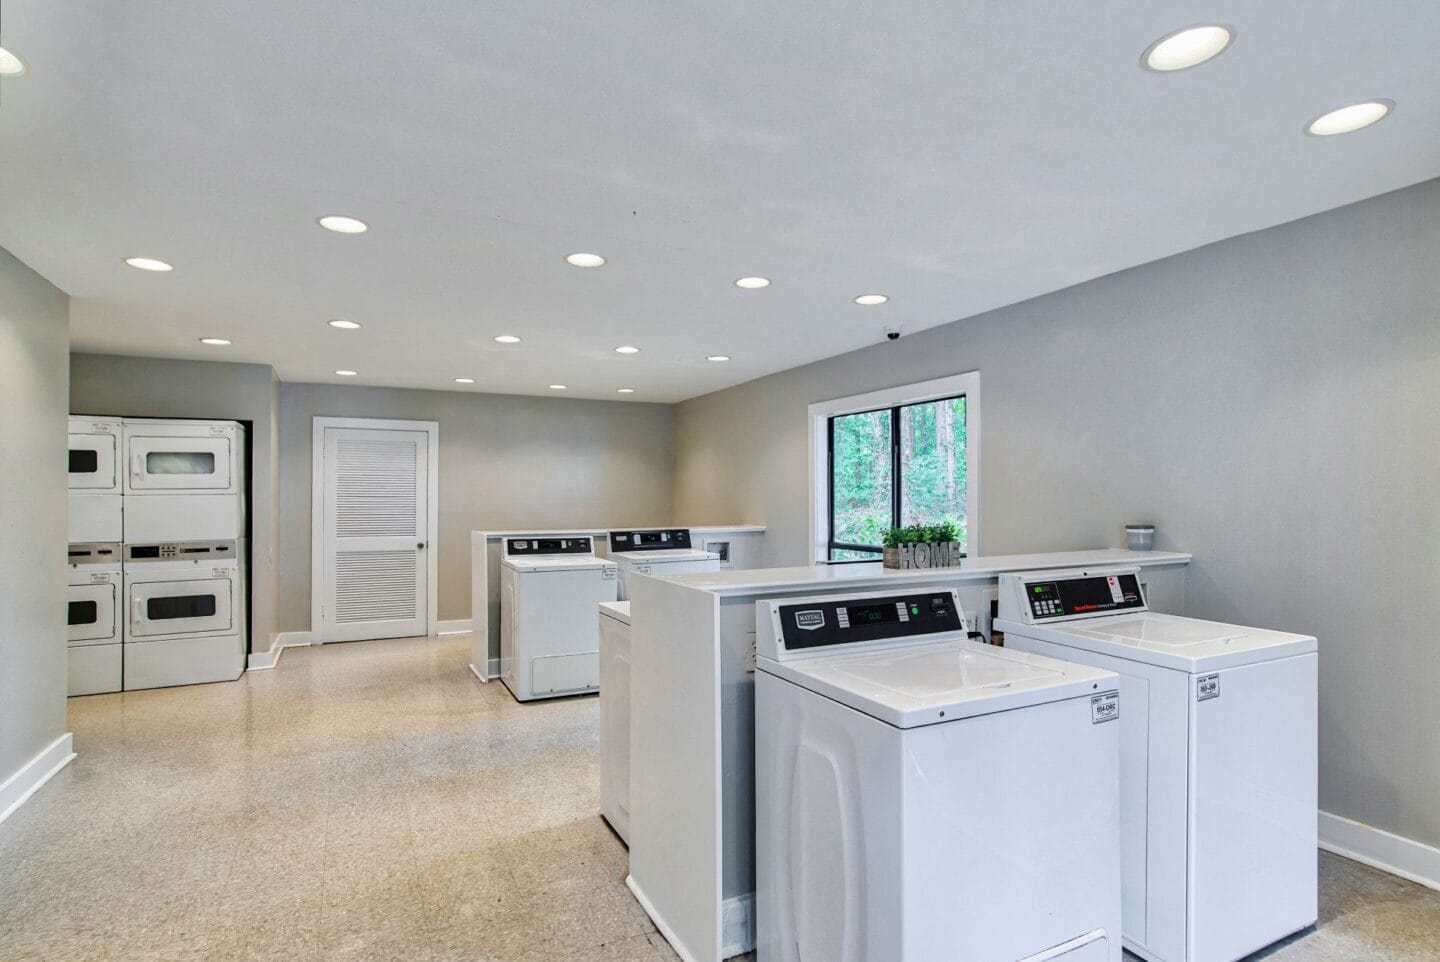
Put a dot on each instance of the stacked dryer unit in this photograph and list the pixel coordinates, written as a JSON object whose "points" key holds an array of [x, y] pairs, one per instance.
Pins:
{"points": [[96, 628]]}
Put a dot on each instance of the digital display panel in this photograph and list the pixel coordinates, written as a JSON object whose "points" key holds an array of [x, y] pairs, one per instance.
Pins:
{"points": [[872, 614]]}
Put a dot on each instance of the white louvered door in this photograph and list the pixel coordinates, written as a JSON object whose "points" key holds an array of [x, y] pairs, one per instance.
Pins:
{"points": [[375, 534]]}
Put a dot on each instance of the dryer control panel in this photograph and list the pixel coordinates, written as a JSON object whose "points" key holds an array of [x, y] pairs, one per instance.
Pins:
{"points": [[529, 547], [807, 625], [196, 551], [659, 540]]}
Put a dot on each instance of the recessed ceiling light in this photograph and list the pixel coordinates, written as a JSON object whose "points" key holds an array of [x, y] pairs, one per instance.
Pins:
{"points": [[10, 65], [215, 341], [585, 260], [1187, 48], [1350, 118], [558, 387], [341, 224], [753, 283], [624, 390], [627, 349], [346, 373], [464, 380], [346, 325], [718, 357], [148, 264], [507, 339], [870, 300]]}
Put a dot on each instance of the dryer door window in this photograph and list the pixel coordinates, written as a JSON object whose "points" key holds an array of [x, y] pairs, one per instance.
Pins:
{"points": [[92, 462], [91, 612], [167, 608], [180, 464]]}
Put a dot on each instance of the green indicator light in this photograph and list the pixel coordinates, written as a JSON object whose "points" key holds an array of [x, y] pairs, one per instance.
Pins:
{"points": [[914, 609]]}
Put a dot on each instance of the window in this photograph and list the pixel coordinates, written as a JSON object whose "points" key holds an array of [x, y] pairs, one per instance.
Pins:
{"points": [[897, 457]]}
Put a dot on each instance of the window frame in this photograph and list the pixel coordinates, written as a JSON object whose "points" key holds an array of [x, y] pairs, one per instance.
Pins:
{"points": [[822, 467]]}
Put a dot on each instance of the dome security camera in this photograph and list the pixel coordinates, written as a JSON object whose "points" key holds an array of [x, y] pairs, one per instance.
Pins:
{"points": [[892, 332]]}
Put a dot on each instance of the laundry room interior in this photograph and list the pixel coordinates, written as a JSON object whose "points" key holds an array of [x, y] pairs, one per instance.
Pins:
{"points": [[879, 483]]}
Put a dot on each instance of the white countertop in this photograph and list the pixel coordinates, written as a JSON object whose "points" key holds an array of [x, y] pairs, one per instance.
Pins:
{"points": [[751, 580], [545, 533]]}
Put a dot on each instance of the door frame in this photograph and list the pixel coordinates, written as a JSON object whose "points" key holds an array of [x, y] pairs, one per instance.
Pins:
{"points": [[317, 514]]}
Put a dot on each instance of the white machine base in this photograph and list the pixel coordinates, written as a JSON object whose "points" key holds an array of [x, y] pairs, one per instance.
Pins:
{"points": [[95, 669], [195, 661]]}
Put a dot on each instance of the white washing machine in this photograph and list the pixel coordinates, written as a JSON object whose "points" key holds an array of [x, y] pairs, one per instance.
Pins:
{"points": [[1218, 760], [95, 481], [661, 552], [549, 639], [184, 480], [923, 797], [615, 716], [186, 613], [96, 629]]}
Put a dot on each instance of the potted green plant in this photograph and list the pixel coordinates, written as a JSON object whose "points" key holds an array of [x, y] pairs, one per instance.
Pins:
{"points": [[924, 546]]}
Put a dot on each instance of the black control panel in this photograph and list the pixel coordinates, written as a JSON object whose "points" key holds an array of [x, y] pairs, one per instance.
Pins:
{"points": [[847, 621], [534, 546], [180, 551], [1083, 596], [650, 540], [80, 554]]}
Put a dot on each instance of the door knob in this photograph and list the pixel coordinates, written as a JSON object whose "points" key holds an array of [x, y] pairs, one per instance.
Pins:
{"points": [[420, 546]]}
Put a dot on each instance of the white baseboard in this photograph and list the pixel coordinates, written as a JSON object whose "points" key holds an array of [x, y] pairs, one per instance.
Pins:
{"points": [[680, 948], [737, 925], [294, 639], [458, 626], [262, 660], [483, 678], [34, 773], [1395, 854]]}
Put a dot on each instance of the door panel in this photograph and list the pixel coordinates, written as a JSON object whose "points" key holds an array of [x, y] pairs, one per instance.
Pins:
{"points": [[375, 507], [165, 608], [91, 613], [92, 462], [180, 464]]}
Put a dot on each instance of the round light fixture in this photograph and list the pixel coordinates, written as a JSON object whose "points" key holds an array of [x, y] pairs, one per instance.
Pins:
{"points": [[718, 357], [585, 260], [507, 339], [627, 349], [558, 387], [215, 341], [464, 380], [346, 325], [624, 390], [341, 224], [10, 65], [753, 283], [346, 373], [870, 300], [148, 264], [1187, 48], [1351, 118]]}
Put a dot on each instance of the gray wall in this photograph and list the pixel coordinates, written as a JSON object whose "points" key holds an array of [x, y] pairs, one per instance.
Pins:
{"points": [[505, 462], [155, 388], [34, 348], [1269, 402]]}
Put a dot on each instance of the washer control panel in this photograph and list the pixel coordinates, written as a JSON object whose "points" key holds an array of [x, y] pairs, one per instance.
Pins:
{"points": [[658, 540], [528, 547], [851, 620]]}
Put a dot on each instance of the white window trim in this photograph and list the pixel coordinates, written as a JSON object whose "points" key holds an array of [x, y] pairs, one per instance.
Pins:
{"points": [[821, 412], [317, 514]]}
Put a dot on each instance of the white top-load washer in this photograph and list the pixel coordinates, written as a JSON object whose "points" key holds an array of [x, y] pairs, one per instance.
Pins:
{"points": [[1218, 760], [186, 613], [921, 796], [184, 480], [95, 481], [615, 716], [95, 622], [661, 552], [549, 639]]}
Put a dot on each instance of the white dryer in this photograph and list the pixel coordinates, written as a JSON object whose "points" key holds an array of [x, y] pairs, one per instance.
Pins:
{"points": [[186, 613], [661, 552], [95, 480], [615, 716], [920, 796], [96, 629], [549, 639], [184, 480], [1218, 760]]}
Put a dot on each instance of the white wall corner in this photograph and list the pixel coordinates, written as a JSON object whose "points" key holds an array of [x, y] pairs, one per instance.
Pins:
{"points": [[458, 626], [1377, 848], [737, 925], [16, 789]]}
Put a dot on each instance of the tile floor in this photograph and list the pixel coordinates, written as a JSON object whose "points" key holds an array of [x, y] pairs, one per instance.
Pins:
{"points": [[373, 801]]}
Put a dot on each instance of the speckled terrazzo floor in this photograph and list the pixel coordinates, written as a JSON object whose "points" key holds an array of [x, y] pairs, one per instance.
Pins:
{"points": [[372, 800]]}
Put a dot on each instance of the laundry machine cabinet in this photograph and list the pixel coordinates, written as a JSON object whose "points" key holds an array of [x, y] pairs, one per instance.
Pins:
{"points": [[615, 716], [661, 552], [1219, 760], [185, 603], [923, 797], [184, 480], [95, 627], [95, 459]]}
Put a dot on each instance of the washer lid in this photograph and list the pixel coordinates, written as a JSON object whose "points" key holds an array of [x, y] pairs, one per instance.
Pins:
{"points": [[1171, 641], [665, 555], [914, 685], [574, 562]]}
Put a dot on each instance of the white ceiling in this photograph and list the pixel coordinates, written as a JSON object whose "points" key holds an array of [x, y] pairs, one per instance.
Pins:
{"points": [[956, 156]]}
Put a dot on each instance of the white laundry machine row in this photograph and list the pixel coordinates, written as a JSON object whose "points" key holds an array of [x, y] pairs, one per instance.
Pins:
{"points": [[1219, 753], [549, 639], [95, 631], [615, 716], [185, 608], [661, 551], [920, 796]]}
